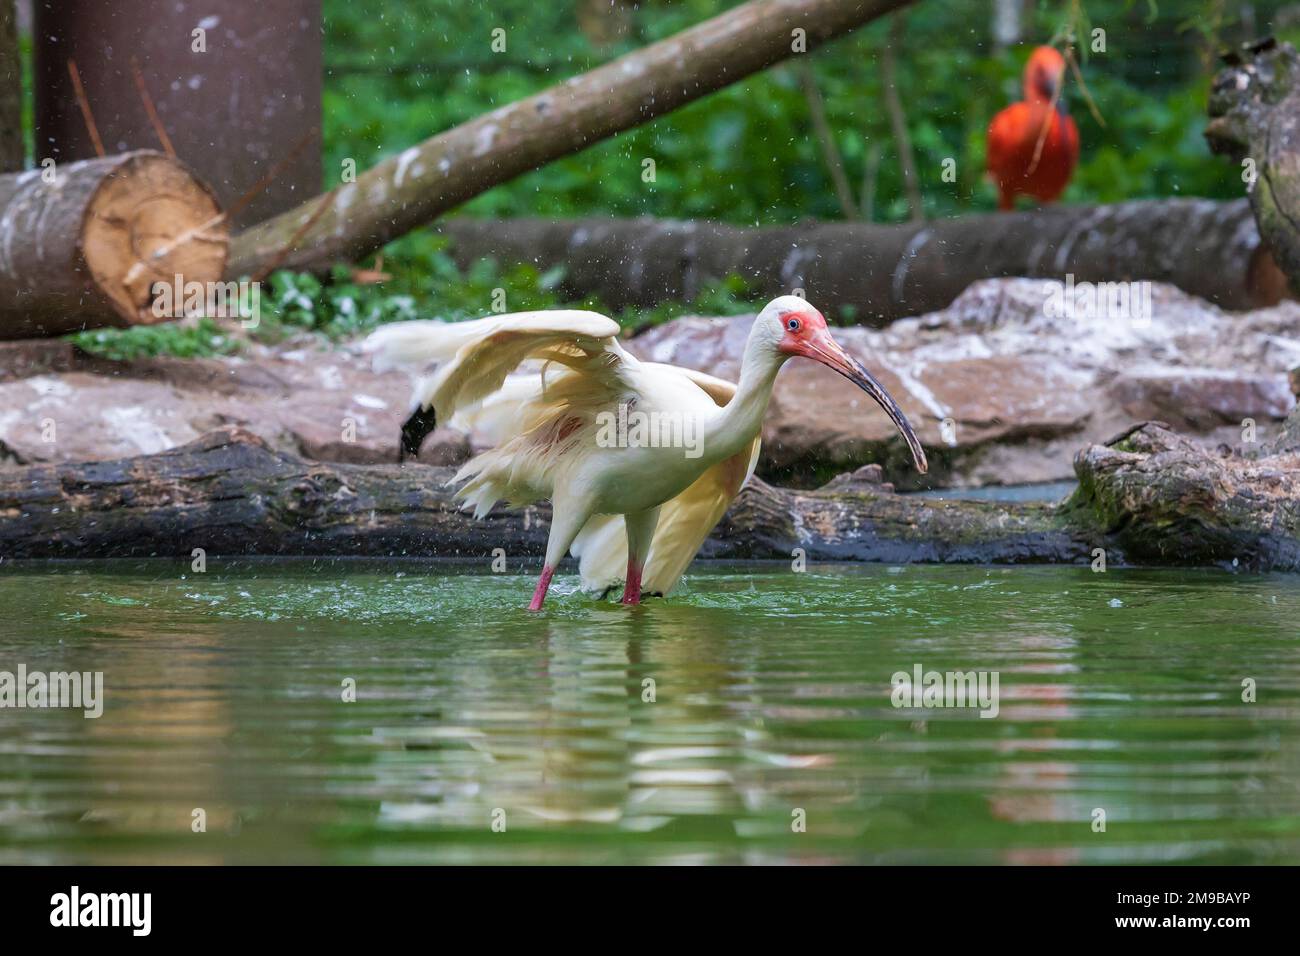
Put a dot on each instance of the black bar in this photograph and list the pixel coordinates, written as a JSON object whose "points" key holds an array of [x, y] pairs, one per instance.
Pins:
{"points": [[944, 905]]}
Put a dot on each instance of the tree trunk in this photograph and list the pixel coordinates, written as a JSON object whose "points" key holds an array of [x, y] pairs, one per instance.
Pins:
{"points": [[1006, 23], [1255, 119], [236, 85], [13, 153], [830, 151], [1207, 248], [1147, 496], [413, 188], [898, 120], [83, 251]]}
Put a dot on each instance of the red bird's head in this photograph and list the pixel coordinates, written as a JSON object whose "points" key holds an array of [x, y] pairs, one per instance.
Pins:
{"points": [[1044, 74]]}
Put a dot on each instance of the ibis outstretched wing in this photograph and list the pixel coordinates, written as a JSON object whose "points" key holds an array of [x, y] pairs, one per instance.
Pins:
{"points": [[475, 357]]}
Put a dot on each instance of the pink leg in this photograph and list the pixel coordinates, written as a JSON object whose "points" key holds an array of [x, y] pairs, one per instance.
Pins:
{"points": [[632, 590], [543, 583], [640, 529]]}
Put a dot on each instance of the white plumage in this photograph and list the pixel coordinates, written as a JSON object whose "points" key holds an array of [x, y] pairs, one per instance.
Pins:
{"points": [[554, 391]]}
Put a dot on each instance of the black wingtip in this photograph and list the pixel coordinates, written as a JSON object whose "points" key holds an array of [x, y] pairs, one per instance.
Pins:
{"points": [[414, 431]]}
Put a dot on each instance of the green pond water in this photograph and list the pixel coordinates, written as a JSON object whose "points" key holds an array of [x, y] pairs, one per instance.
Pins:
{"points": [[483, 734]]}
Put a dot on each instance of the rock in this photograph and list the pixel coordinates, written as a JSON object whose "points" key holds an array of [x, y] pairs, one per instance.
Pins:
{"points": [[61, 405], [1200, 401], [1021, 385], [868, 478], [1289, 438], [1021, 388]]}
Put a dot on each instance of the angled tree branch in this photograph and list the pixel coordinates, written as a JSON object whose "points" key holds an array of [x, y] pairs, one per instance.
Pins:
{"points": [[421, 183]]}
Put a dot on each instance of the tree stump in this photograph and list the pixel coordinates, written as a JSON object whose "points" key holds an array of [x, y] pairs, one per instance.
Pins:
{"points": [[82, 244]]}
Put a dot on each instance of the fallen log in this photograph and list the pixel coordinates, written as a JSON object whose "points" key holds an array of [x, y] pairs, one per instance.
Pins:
{"points": [[1210, 249], [1255, 119], [82, 244], [1161, 498], [229, 493], [1148, 496], [421, 183]]}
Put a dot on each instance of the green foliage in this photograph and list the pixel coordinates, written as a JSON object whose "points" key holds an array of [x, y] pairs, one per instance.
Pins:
{"points": [[731, 296], [425, 283], [747, 154], [399, 72], [201, 339]]}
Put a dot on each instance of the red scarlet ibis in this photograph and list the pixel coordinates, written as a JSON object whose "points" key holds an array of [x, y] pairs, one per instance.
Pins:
{"points": [[1033, 145], [640, 460]]}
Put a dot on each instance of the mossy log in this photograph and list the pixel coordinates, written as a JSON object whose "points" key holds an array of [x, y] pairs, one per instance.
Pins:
{"points": [[1161, 498], [1148, 497]]}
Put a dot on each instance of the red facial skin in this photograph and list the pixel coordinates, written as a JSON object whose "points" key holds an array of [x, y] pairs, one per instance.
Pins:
{"points": [[807, 336], [1014, 135], [808, 324]]}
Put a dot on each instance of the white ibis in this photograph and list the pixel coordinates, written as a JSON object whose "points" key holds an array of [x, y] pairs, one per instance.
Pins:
{"points": [[639, 459]]}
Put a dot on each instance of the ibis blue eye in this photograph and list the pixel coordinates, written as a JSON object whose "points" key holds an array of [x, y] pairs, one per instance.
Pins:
{"points": [[793, 325]]}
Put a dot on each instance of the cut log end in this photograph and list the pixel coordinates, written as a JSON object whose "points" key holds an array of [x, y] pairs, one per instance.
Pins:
{"points": [[85, 243], [148, 221]]}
